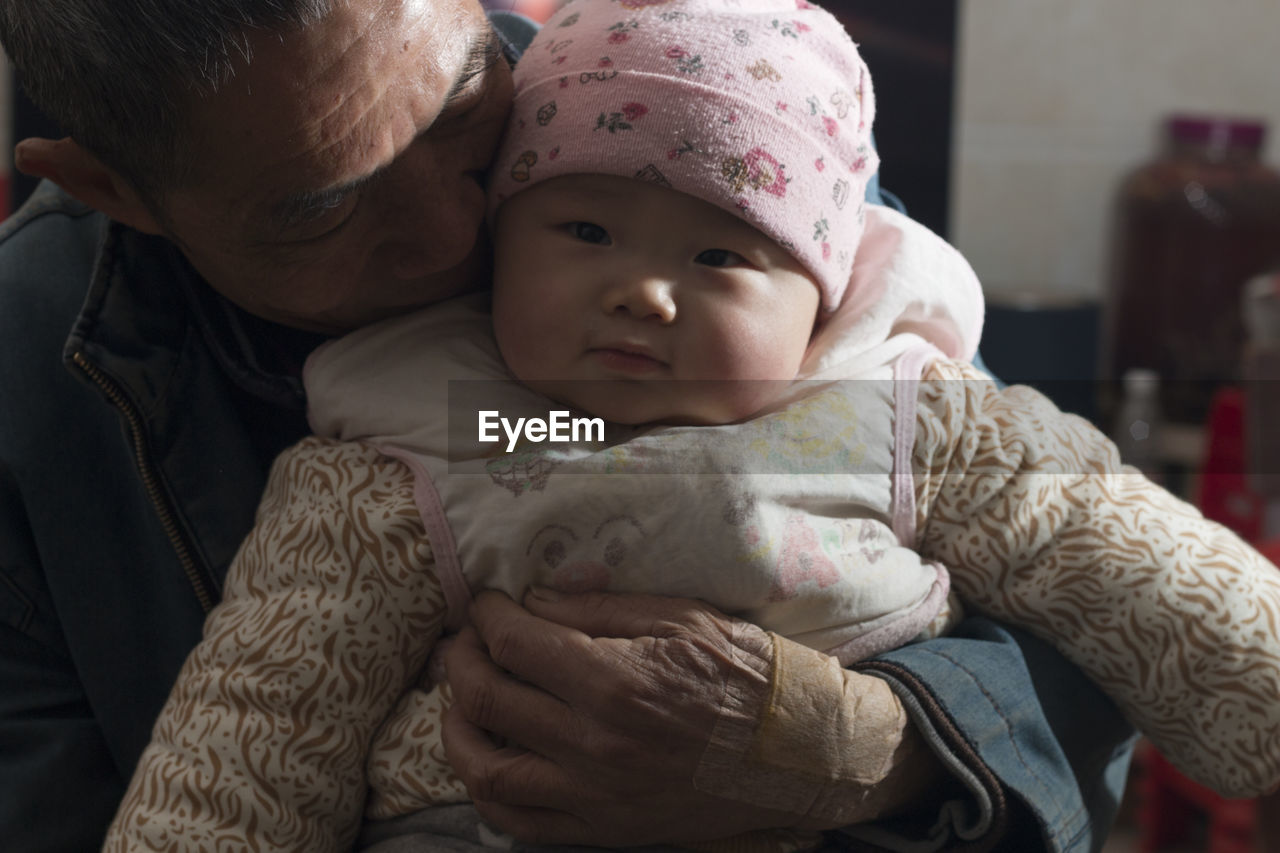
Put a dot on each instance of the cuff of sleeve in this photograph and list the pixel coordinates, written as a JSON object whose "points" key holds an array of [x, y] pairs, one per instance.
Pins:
{"points": [[815, 740], [1049, 750], [969, 822]]}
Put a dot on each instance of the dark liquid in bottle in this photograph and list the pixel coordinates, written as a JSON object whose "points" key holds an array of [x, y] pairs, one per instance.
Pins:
{"points": [[1190, 230]]}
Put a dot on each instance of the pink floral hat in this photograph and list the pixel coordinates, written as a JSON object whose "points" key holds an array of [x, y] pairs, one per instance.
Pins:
{"points": [[761, 107]]}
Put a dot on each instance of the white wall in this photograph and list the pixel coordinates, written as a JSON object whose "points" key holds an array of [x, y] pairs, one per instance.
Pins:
{"points": [[1057, 99]]}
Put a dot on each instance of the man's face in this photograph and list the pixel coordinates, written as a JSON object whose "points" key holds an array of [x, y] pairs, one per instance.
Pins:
{"points": [[337, 177]]}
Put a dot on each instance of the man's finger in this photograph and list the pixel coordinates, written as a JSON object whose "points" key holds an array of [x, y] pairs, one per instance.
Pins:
{"points": [[625, 616], [554, 657], [518, 710], [501, 774]]}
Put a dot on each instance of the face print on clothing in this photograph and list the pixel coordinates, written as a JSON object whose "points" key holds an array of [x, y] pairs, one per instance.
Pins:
{"points": [[569, 562], [521, 472]]}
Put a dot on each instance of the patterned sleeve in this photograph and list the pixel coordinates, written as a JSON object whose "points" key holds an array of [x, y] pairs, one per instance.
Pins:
{"points": [[1175, 617], [328, 614]]}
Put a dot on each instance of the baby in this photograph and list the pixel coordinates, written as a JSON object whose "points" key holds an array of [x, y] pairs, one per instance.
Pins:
{"points": [[682, 250]]}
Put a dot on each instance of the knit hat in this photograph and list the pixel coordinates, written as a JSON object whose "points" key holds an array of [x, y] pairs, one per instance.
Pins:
{"points": [[760, 107]]}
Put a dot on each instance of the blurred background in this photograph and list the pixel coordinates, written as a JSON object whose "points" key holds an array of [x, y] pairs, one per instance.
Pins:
{"points": [[1116, 245]]}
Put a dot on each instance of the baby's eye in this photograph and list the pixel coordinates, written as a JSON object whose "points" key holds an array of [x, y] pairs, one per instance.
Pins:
{"points": [[589, 232], [719, 258]]}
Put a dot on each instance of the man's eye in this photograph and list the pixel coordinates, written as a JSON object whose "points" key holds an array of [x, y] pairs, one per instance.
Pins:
{"points": [[461, 107], [322, 228], [719, 258], [319, 221], [589, 232]]}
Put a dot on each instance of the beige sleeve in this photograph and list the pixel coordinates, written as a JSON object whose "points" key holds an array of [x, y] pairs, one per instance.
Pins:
{"points": [[1175, 617], [328, 614]]}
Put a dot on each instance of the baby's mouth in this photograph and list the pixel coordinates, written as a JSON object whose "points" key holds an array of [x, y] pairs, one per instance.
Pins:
{"points": [[627, 358]]}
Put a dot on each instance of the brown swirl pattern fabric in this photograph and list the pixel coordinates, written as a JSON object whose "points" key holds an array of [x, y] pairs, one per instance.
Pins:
{"points": [[1174, 616], [328, 615], [299, 710], [407, 767]]}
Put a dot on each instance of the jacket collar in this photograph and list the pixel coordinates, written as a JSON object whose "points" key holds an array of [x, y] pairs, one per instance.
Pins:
{"points": [[144, 291], [206, 402]]}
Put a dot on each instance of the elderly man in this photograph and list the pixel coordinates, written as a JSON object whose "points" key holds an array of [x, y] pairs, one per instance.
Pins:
{"points": [[244, 178]]}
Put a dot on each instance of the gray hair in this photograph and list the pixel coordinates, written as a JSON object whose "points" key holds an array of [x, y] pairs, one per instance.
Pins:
{"points": [[122, 76]]}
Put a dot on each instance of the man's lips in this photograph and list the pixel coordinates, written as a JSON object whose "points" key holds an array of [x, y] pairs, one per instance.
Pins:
{"points": [[626, 358]]}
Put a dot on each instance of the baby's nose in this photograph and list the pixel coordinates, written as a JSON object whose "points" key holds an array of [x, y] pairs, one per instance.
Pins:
{"points": [[643, 297]]}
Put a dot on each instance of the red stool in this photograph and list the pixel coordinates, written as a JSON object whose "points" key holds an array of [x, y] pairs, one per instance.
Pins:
{"points": [[1223, 493], [1167, 801]]}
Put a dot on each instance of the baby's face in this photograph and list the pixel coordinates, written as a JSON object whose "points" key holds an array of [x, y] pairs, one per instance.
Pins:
{"points": [[640, 304]]}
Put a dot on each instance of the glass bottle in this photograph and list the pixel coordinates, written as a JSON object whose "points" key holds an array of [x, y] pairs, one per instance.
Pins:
{"points": [[1190, 228], [1261, 315], [1138, 420]]}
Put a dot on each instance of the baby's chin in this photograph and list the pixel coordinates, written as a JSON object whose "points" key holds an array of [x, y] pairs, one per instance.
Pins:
{"points": [[666, 403]]}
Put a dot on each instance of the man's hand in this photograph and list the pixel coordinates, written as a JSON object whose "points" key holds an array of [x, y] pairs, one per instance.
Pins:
{"points": [[612, 700]]}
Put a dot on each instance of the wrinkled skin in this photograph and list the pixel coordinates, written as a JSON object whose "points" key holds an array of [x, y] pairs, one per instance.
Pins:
{"points": [[613, 698]]}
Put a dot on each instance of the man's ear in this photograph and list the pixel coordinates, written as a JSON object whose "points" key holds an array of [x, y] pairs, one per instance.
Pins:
{"points": [[85, 177]]}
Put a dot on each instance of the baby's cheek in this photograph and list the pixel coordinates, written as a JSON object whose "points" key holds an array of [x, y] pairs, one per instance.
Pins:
{"points": [[519, 348], [761, 366], [754, 352]]}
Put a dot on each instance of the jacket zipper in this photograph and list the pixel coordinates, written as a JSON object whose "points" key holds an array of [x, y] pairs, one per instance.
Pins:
{"points": [[150, 480]]}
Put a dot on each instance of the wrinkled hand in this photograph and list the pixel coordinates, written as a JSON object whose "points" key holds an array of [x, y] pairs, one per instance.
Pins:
{"points": [[612, 699]]}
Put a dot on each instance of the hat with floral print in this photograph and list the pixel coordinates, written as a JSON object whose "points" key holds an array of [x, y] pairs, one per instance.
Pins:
{"points": [[761, 107]]}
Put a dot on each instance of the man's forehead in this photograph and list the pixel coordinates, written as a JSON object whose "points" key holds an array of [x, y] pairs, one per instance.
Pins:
{"points": [[367, 30], [327, 105]]}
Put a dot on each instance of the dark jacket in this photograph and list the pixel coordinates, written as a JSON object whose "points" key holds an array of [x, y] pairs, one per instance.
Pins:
{"points": [[128, 476]]}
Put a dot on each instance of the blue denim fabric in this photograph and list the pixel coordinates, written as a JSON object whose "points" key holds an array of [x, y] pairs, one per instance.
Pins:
{"points": [[1057, 745]]}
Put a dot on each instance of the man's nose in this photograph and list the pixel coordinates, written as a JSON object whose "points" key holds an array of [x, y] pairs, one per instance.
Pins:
{"points": [[644, 297]]}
